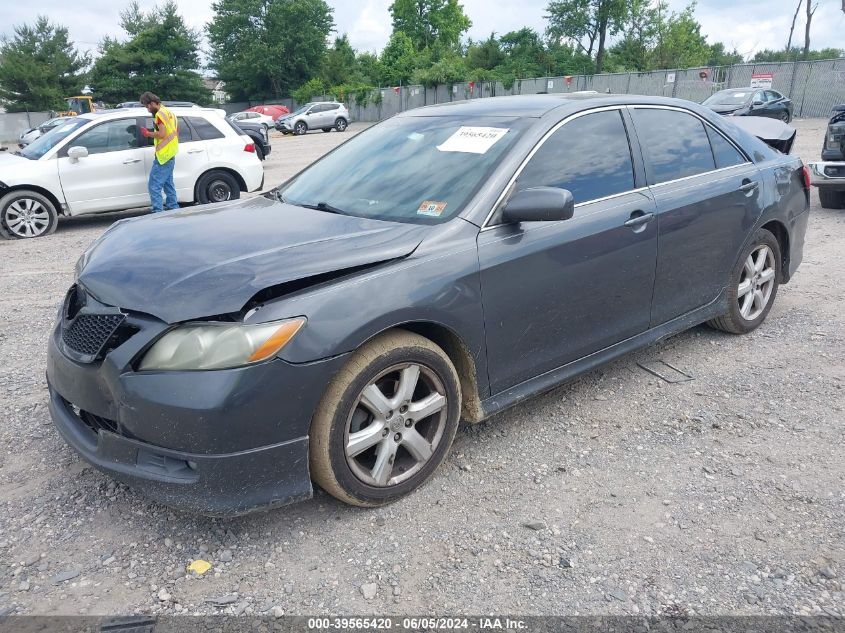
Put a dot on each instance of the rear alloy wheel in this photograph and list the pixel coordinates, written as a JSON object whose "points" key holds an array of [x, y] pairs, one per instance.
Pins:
{"points": [[386, 420], [340, 125], [753, 285], [217, 186], [300, 128], [784, 116], [831, 198], [25, 214]]}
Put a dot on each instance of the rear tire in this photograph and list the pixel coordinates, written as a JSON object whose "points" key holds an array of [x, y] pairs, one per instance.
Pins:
{"points": [[25, 214], [341, 124], [217, 186], [366, 448], [753, 285], [831, 198], [784, 116]]}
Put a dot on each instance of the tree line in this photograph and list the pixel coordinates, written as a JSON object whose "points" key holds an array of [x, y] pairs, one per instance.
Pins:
{"points": [[271, 49]]}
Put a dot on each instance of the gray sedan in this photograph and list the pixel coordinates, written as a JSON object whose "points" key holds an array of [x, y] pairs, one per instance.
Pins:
{"points": [[443, 265]]}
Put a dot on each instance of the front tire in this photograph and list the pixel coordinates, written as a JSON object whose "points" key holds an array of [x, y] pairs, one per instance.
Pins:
{"points": [[300, 128], [753, 285], [217, 186], [386, 420], [26, 214], [831, 198]]}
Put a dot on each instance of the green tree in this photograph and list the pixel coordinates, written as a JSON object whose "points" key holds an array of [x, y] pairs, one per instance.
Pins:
{"points": [[680, 42], [398, 60], [430, 21], [369, 68], [39, 67], [796, 53], [314, 87], [447, 71], [263, 49], [161, 55], [485, 55], [640, 27], [339, 65], [719, 56], [586, 22], [525, 55]]}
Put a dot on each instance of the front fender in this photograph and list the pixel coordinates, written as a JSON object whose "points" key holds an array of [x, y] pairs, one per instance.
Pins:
{"points": [[438, 285]]}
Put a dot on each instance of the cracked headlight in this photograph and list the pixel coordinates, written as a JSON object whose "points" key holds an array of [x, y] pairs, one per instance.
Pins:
{"points": [[219, 345]]}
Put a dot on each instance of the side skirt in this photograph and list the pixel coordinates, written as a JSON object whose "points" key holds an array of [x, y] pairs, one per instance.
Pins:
{"points": [[554, 378]]}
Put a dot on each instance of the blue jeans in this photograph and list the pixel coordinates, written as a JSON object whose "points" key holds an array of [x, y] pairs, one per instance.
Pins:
{"points": [[161, 177]]}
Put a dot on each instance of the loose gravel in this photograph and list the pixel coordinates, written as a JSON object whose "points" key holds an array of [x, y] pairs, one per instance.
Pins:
{"points": [[615, 494]]}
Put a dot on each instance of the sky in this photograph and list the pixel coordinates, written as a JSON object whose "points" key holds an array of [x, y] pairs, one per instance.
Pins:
{"points": [[748, 26]]}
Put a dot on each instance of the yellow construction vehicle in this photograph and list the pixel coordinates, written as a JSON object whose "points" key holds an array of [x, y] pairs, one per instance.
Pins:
{"points": [[82, 104]]}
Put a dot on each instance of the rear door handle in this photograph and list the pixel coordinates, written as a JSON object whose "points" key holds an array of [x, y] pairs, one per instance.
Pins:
{"points": [[131, 161], [195, 151], [748, 185], [638, 218]]}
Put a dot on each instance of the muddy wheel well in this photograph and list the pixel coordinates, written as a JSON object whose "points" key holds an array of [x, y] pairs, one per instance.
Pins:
{"points": [[782, 235], [461, 358]]}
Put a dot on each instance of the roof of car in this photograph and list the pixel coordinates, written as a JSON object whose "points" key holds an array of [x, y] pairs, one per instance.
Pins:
{"points": [[535, 105], [142, 111]]}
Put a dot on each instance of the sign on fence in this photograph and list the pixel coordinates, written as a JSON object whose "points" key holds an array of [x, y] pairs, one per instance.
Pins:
{"points": [[762, 80], [670, 78]]}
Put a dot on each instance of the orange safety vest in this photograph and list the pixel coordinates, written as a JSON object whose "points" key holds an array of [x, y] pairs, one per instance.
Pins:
{"points": [[166, 147]]}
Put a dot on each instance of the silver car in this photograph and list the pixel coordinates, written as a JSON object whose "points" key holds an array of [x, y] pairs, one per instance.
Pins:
{"points": [[322, 115], [33, 133]]}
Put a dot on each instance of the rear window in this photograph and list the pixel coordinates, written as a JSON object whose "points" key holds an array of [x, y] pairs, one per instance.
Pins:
{"points": [[205, 130], [675, 143]]}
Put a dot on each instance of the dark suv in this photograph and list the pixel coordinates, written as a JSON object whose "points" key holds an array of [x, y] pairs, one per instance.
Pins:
{"points": [[829, 174]]}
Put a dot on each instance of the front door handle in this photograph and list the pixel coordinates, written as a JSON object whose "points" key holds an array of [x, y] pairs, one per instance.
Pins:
{"points": [[194, 151], [131, 161], [748, 185], [639, 218]]}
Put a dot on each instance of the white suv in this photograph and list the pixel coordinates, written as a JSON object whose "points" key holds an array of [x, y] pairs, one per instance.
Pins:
{"points": [[100, 162]]}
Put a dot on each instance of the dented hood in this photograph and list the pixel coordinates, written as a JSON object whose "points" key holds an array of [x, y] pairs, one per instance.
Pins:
{"points": [[211, 260]]}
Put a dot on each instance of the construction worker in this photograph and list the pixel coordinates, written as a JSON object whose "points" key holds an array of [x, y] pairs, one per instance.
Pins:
{"points": [[166, 140]]}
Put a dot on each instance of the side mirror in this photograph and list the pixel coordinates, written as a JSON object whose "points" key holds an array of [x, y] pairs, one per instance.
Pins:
{"points": [[539, 204], [76, 152]]}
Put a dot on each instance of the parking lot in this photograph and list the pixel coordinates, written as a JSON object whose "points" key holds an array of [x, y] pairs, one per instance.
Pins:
{"points": [[618, 493]]}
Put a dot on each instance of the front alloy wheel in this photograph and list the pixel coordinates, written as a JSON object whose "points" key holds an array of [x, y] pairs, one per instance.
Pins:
{"points": [[26, 214], [300, 128], [386, 421]]}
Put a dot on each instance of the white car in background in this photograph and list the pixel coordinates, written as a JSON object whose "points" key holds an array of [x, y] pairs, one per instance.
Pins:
{"points": [[100, 162], [252, 117], [39, 130]]}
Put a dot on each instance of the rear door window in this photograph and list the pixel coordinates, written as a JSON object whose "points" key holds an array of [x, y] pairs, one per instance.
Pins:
{"points": [[205, 130], [590, 156], [726, 155], [674, 142]]}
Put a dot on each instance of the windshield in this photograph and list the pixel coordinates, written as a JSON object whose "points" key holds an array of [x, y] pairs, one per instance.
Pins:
{"points": [[729, 97], [420, 170], [301, 110], [48, 141]]}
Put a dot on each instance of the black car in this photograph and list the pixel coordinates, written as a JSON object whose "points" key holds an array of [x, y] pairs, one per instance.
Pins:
{"points": [[258, 133], [829, 174], [751, 102], [444, 264]]}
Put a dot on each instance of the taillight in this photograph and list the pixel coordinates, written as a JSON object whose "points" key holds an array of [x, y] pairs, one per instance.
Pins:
{"points": [[806, 177], [250, 147]]}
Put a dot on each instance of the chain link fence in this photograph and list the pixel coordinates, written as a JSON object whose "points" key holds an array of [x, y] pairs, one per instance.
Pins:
{"points": [[814, 87]]}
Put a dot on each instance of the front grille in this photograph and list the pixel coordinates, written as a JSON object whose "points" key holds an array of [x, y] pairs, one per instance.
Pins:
{"points": [[93, 422], [88, 333]]}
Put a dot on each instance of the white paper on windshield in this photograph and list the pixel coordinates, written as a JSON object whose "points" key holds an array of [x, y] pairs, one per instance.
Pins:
{"points": [[473, 140], [739, 95]]}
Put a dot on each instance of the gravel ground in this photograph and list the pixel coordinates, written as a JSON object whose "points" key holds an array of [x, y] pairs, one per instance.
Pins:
{"points": [[615, 494]]}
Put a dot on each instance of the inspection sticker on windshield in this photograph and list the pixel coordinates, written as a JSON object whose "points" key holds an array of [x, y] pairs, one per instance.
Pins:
{"points": [[473, 140], [432, 208]]}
